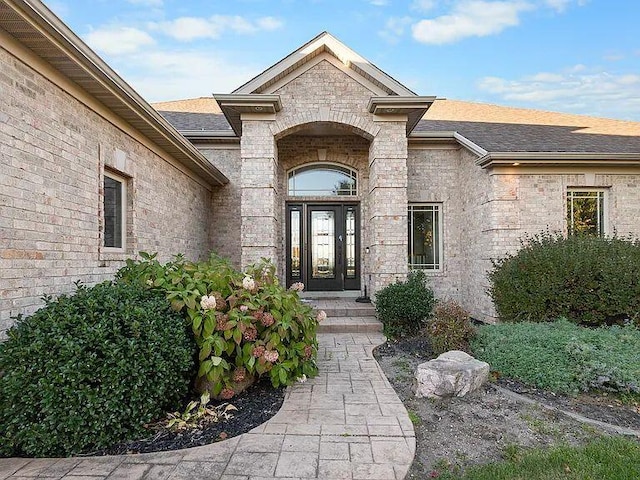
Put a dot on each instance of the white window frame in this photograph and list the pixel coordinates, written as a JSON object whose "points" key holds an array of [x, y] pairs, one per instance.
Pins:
{"points": [[123, 211], [604, 228], [438, 209]]}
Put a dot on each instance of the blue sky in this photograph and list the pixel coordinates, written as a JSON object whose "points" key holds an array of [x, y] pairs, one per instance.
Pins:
{"points": [[578, 56]]}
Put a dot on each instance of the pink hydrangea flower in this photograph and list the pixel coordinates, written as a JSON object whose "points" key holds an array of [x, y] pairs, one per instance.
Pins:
{"points": [[208, 302], [250, 334], [258, 351], [271, 356], [227, 393], [321, 315], [267, 320], [239, 374]]}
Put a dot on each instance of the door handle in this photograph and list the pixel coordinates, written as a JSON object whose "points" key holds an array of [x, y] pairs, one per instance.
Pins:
{"points": [[340, 238]]}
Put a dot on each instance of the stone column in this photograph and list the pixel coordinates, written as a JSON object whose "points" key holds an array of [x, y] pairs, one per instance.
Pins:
{"points": [[387, 222], [259, 197]]}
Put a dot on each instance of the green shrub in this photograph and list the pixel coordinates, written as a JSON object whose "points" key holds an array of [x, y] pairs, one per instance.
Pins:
{"points": [[563, 357], [403, 307], [89, 369], [245, 324], [592, 281], [449, 328]]}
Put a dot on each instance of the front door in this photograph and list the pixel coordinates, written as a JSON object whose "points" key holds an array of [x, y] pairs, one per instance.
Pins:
{"points": [[323, 246]]}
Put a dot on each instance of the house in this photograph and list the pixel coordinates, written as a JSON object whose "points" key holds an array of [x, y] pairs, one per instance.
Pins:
{"points": [[323, 162]]}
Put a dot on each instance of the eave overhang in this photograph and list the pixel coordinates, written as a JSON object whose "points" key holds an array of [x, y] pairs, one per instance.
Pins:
{"points": [[564, 159], [447, 136], [213, 136], [414, 107], [234, 105], [32, 24]]}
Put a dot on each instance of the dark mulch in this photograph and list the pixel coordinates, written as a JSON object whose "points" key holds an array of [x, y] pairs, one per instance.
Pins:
{"points": [[597, 406], [418, 347], [255, 406]]}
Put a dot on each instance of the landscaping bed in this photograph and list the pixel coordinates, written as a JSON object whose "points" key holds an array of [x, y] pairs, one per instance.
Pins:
{"points": [[254, 406], [487, 426]]}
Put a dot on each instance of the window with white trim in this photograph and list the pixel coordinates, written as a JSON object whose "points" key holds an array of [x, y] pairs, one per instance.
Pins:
{"points": [[114, 211], [425, 236], [586, 212]]}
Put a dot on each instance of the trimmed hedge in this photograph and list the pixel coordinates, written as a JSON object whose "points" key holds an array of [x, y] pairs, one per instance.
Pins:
{"points": [[563, 357], [404, 307], [589, 280], [90, 369]]}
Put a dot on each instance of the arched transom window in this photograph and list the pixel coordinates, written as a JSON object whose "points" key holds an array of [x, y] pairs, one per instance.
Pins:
{"points": [[322, 180]]}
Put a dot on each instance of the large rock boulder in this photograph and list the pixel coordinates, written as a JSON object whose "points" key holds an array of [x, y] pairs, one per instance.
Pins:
{"points": [[453, 373]]}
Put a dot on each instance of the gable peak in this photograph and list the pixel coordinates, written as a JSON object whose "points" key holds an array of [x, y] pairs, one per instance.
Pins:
{"points": [[324, 42]]}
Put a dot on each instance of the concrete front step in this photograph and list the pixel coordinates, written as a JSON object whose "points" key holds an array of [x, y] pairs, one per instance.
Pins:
{"points": [[353, 311], [350, 325], [345, 315]]}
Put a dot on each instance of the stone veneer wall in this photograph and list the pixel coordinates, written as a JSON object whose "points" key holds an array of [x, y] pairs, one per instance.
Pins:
{"points": [[260, 222], [225, 216], [476, 237], [507, 205], [349, 150], [434, 177], [52, 150], [388, 205]]}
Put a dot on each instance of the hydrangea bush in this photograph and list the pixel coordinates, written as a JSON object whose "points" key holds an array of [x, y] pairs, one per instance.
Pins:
{"points": [[246, 325]]}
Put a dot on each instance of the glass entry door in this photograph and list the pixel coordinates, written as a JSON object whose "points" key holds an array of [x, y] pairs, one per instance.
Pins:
{"points": [[323, 246]]}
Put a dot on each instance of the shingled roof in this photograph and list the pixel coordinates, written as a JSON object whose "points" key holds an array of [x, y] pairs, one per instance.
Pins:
{"points": [[194, 115], [506, 129], [494, 128]]}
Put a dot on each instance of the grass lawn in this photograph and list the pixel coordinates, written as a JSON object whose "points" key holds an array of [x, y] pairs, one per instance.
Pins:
{"points": [[614, 458]]}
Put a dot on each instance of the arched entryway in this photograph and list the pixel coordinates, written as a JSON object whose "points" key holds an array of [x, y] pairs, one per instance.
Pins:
{"points": [[324, 175]]}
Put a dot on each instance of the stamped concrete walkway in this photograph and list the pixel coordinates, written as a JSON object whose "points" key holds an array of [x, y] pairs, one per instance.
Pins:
{"points": [[347, 423]]}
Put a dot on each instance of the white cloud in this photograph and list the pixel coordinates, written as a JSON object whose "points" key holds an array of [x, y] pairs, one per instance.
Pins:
{"points": [[191, 28], [379, 3], [561, 5], [422, 5], [269, 23], [160, 75], [394, 28], [118, 40], [580, 90], [474, 18]]}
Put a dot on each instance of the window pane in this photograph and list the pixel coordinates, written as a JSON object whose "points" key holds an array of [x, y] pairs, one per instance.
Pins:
{"points": [[322, 180], [350, 242], [112, 213], [424, 236], [295, 244], [585, 213], [323, 244]]}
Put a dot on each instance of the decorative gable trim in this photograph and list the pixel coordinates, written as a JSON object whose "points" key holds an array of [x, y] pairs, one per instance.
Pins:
{"points": [[325, 42], [372, 87]]}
